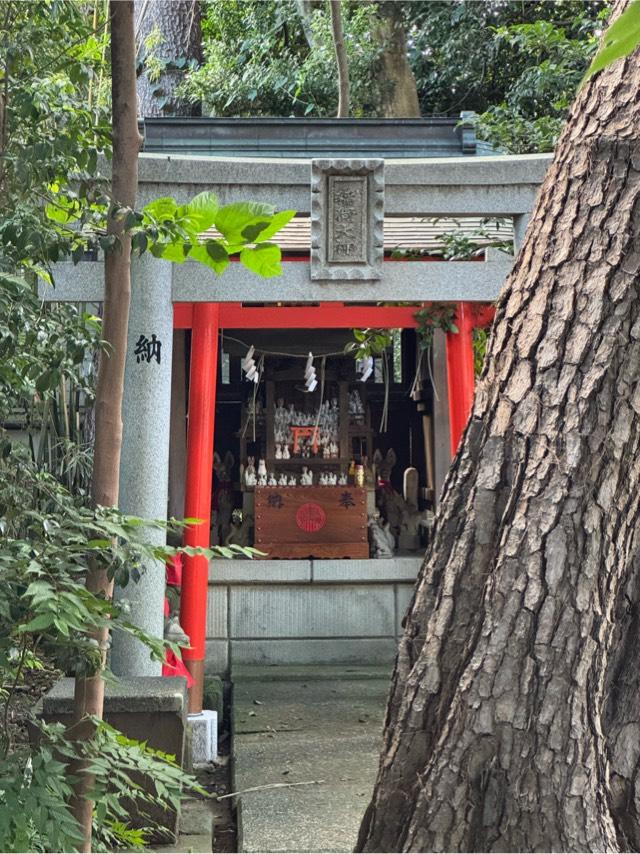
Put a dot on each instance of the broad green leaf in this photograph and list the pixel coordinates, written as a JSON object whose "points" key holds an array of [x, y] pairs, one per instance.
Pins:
{"points": [[203, 209], [231, 220], [163, 208], [209, 256], [621, 39], [264, 260], [174, 252], [278, 221]]}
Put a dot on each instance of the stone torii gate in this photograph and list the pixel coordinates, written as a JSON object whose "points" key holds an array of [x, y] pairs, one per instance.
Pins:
{"points": [[345, 271]]}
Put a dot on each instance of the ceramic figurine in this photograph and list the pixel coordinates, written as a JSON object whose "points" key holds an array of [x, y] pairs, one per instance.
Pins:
{"points": [[262, 470], [262, 480], [272, 480], [282, 480], [342, 480], [293, 480], [333, 450], [306, 478], [250, 472], [285, 453], [326, 453], [323, 479], [278, 451], [333, 479]]}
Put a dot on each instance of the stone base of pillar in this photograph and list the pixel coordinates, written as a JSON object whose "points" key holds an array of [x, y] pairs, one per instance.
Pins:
{"points": [[151, 709], [203, 737]]}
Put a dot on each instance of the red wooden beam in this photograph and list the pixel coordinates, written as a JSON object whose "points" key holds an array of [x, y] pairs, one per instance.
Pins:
{"points": [[326, 315]]}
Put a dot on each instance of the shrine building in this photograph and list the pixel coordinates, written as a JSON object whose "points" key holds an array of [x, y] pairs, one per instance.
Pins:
{"points": [[256, 419]]}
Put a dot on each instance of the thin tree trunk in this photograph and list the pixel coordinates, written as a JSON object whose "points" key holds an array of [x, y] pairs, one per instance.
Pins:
{"points": [[398, 89], [513, 722], [89, 691], [341, 59]]}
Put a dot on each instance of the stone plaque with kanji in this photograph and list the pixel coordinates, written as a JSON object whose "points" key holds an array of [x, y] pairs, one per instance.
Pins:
{"points": [[347, 216]]}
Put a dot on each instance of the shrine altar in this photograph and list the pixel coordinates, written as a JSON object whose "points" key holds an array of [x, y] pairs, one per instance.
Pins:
{"points": [[311, 521]]}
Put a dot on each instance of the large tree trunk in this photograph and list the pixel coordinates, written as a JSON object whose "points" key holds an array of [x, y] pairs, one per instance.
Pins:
{"points": [[399, 93], [177, 25], [89, 689], [513, 720]]}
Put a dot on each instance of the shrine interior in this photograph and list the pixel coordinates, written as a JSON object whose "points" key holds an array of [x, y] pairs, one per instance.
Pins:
{"points": [[312, 460]]}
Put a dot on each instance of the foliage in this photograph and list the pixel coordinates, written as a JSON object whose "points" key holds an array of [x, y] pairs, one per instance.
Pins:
{"points": [[175, 231], [436, 315], [46, 376], [480, 342], [53, 125], [273, 70], [515, 64], [621, 39]]}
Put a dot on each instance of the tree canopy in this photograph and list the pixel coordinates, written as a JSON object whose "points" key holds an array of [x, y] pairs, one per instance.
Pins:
{"points": [[517, 65]]}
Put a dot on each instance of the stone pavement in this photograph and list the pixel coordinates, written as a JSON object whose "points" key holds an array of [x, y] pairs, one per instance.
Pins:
{"points": [[299, 724]]}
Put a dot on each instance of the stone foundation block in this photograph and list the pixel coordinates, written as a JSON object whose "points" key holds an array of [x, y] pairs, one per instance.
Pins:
{"points": [[204, 737]]}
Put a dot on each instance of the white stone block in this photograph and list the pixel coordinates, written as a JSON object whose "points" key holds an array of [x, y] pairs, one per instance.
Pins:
{"points": [[217, 612], [204, 737], [312, 611], [216, 656], [332, 651]]}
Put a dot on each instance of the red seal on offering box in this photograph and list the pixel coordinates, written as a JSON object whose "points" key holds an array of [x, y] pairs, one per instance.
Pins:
{"points": [[310, 517]]}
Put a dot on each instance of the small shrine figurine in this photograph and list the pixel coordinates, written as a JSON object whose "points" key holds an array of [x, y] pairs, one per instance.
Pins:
{"points": [[293, 480], [262, 470], [333, 450], [342, 480], [278, 451], [262, 480], [282, 480], [250, 472], [285, 453], [306, 478], [383, 542], [332, 479], [272, 480], [323, 479], [326, 453]]}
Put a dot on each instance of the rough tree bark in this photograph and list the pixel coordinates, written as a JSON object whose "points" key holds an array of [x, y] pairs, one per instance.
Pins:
{"points": [[178, 25], [399, 93], [513, 721], [342, 61], [89, 690]]}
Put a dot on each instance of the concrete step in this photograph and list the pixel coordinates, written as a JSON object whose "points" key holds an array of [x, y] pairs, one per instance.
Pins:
{"points": [[323, 732], [241, 673]]}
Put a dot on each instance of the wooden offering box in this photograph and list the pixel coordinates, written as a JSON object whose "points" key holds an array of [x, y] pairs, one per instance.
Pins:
{"points": [[311, 521]]}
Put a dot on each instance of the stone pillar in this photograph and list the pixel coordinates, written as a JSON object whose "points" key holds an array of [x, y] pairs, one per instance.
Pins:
{"points": [[520, 223], [144, 467]]}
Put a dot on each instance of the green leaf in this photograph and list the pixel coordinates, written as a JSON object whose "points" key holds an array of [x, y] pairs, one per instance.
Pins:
{"points": [[264, 260], [174, 252], [231, 220], [203, 209], [212, 254], [42, 621], [621, 39], [278, 221], [163, 208]]}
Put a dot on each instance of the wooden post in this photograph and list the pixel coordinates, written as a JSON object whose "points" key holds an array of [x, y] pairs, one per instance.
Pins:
{"points": [[202, 408]]}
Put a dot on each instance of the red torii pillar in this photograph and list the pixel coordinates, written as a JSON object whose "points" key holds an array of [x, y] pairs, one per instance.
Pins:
{"points": [[461, 378], [203, 376]]}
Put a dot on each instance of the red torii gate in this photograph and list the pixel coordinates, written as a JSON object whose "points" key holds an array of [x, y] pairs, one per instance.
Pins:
{"points": [[205, 321]]}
